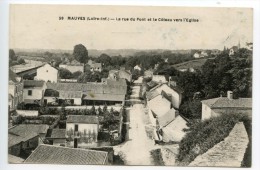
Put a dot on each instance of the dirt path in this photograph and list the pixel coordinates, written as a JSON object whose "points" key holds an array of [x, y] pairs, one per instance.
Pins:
{"points": [[136, 151]]}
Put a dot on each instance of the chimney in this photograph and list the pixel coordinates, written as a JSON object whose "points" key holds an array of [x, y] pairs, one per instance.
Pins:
{"points": [[230, 95]]}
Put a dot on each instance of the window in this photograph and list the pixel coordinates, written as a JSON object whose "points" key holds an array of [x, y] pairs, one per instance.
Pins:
{"points": [[29, 92], [76, 128]]}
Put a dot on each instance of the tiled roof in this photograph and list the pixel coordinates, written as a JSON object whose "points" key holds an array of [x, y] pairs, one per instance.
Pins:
{"points": [[33, 83], [165, 119], [111, 87], [49, 154], [14, 139], [174, 131], [159, 105], [14, 159], [104, 97], [70, 94], [58, 133], [24, 132], [82, 119], [224, 102]]}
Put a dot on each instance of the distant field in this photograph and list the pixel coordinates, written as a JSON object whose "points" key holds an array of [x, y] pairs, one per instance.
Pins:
{"points": [[32, 58], [196, 64]]}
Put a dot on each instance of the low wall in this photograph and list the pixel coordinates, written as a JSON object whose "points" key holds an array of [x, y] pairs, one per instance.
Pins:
{"points": [[29, 113], [228, 153]]}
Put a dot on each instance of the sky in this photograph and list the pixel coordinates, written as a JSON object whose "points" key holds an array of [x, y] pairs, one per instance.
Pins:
{"points": [[39, 27]]}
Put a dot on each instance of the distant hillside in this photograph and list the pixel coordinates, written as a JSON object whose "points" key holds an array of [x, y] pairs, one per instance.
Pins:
{"points": [[97, 53], [196, 64]]}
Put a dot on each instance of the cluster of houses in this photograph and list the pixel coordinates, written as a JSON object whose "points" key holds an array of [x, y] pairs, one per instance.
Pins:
{"points": [[47, 89], [163, 102], [25, 138]]}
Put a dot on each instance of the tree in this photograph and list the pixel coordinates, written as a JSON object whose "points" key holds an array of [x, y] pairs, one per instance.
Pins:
{"points": [[65, 74], [104, 59], [76, 74], [80, 53], [21, 61], [12, 55]]}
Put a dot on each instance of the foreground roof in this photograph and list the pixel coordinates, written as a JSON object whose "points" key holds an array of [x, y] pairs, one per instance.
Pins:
{"points": [[82, 119], [224, 102], [49, 154], [14, 139], [14, 159]]}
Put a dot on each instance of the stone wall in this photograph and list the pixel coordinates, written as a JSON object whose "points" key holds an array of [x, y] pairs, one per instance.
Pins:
{"points": [[227, 153]]}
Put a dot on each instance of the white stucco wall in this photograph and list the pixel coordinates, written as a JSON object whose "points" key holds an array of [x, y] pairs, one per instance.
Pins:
{"points": [[50, 99], [206, 112], [47, 73], [77, 101], [37, 93], [93, 128]]}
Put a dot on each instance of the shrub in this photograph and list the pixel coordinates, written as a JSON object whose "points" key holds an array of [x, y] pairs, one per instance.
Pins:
{"points": [[204, 135]]}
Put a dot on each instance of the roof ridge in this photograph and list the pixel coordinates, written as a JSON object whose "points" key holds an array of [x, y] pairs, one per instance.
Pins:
{"points": [[72, 148], [215, 101]]}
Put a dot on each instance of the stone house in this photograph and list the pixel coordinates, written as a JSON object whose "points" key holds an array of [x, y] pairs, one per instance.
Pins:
{"points": [[25, 137], [47, 73], [93, 66], [216, 106], [173, 92], [82, 129], [33, 91]]}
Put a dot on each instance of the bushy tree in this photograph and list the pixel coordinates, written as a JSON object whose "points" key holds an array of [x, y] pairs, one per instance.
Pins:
{"points": [[65, 73], [104, 59], [21, 61], [12, 55], [80, 53]]}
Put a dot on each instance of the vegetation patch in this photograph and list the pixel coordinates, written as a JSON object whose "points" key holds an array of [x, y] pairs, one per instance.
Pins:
{"points": [[157, 157], [204, 135]]}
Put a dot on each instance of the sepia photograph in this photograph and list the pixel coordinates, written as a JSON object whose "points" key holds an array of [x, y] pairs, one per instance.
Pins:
{"points": [[130, 85]]}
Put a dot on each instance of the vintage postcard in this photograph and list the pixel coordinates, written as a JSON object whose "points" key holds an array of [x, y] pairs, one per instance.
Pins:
{"points": [[130, 85]]}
